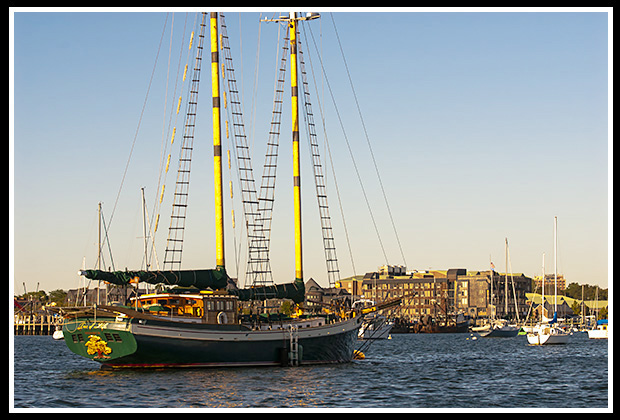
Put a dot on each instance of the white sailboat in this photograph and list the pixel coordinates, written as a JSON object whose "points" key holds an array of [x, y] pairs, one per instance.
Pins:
{"points": [[374, 326], [547, 332]]}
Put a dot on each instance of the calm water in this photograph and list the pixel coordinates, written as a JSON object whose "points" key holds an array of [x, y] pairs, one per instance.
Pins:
{"points": [[408, 371]]}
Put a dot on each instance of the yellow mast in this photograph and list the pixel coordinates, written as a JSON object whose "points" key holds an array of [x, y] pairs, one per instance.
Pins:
{"points": [[292, 24], [217, 148], [299, 272]]}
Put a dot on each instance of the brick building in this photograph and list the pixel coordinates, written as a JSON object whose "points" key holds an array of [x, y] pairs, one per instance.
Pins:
{"points": [[550, 283], [441, 292]]}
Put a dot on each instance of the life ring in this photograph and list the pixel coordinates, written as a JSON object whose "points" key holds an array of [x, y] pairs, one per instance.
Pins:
{"points": [[222, 318]]}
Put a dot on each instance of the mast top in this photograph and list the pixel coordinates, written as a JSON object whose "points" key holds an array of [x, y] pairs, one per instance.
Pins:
{"points": [[293, 16]]}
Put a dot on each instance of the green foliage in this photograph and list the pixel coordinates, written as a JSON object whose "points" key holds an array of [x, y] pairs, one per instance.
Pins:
{"points": [[573, 290], [576, 307], [39, 296], [58, 296]]}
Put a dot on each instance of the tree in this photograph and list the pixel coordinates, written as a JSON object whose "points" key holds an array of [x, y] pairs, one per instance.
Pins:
{"points": [[58, 296], [39, 296], [573, 290]]}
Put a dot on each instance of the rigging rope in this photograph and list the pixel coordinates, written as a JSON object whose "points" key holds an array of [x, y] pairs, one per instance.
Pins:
{"points": [[258, 259], [368, 142], [139, 122], [329, 245], [268, 181], [176, 231], [329, 154], [107, 239], [164, 156], [346, 138]]}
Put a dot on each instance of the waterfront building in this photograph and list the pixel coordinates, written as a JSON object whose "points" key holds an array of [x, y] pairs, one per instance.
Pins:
{"points": [[428, 292], [441, 293], [550, 283], [318, 297], [474, 294]]}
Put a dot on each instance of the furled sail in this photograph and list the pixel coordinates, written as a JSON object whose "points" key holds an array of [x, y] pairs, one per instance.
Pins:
{"points": [[202, 279], [295, 291]]}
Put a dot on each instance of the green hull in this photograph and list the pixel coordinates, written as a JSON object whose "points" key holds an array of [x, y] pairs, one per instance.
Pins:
{"points": [[100, 340]]}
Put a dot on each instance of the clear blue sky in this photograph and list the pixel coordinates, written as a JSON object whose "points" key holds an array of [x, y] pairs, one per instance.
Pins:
{"points": [[483, 125]]}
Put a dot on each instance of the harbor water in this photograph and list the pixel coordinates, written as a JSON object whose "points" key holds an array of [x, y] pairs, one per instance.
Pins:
{"points": [[410, 371]]}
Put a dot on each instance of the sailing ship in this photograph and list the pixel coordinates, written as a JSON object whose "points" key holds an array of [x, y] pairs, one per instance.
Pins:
{"points": [[198, 323], [548, 332]]}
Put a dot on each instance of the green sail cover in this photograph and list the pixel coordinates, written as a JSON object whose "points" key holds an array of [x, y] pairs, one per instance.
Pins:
{"points": [[202, 279], [295, 291]]}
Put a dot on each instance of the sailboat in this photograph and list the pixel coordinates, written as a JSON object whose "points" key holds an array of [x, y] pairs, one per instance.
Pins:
{"points": [[199, 324], [547, 332], [499, 327], [601, 330], [375, 326]]}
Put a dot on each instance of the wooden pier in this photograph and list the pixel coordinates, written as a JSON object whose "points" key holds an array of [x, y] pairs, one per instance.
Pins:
{"points": [[35, 324]]}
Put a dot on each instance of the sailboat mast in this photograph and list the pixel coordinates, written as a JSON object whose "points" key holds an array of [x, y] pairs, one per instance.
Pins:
{"points": [[542, 311], [99, 237], [98, 254], [217, 147], [491, 266], [296, 161], [146, 245], [555, 262], [506, 278]]}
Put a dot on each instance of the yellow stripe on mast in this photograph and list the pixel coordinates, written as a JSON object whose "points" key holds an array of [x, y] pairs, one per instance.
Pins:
{"points": [[217, 147], [299, 272]]}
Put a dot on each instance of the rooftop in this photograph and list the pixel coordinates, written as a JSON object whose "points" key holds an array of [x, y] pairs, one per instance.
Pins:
{"points": [[592, 304]]}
